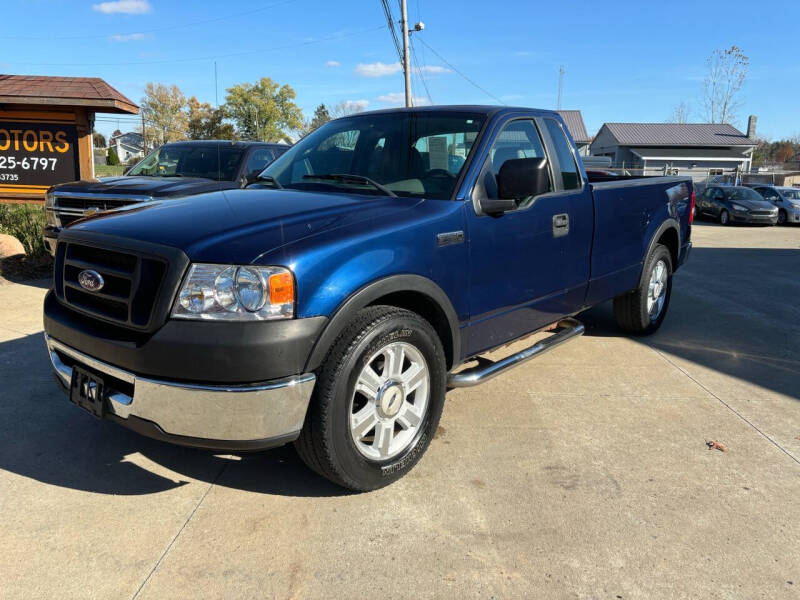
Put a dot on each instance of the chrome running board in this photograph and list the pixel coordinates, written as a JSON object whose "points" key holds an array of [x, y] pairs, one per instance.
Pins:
{"points": [[486, 369]]}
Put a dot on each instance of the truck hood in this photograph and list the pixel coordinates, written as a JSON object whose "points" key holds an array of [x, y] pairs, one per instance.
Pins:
{"points": [[156, 187], [239, 226]]}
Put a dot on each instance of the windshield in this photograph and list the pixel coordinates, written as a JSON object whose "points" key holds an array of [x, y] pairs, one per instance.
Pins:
{"points": [[210, 161], [742, 194], [417, 154], [790, 193]]}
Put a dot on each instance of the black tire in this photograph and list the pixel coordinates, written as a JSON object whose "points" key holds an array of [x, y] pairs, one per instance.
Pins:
{"points": [[325, 443], [630, 310], [781, 217], [724, 217]]}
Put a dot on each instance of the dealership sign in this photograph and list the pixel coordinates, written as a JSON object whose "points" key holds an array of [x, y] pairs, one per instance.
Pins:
{"points": [[37, 154]]}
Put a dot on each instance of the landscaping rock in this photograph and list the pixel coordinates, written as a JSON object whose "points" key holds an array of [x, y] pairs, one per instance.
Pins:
{"points": [[10, 246]]}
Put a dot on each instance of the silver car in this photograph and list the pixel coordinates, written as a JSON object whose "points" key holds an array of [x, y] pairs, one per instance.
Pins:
{"points": [[787, 199]]}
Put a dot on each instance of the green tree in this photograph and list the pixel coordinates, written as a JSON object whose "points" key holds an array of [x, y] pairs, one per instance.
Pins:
{"points": [[98, 139], [112, 158], [164, 110], [321, 116], [263, 110], [207, 123]]}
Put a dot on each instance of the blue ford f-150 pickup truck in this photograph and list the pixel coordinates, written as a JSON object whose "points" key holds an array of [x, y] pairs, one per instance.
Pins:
{"points": [[384, 254]]}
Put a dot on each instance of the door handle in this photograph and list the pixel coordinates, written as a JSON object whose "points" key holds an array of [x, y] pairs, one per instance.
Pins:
{"points": [[560, 225]]}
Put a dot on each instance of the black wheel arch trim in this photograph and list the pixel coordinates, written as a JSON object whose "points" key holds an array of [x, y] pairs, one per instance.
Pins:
{"points": [[375, 290], [669, 223]]}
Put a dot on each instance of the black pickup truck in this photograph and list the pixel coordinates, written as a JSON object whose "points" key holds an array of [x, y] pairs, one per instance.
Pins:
{"points": [[174, 170]]}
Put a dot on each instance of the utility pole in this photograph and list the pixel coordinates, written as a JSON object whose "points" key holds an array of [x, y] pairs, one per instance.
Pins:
{"points": [[144, 135], [406, 60], [560, 85]]}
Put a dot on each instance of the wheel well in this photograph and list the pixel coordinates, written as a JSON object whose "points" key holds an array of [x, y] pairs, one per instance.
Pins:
{"points": [[670, 239], [428, 309]]}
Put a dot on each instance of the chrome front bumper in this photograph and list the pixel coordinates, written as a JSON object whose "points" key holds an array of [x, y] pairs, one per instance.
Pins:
{"points": [[273, 410]]}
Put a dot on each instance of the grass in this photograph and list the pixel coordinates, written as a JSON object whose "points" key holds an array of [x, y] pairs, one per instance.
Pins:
{"points": [[26, 223], [108, 170]]}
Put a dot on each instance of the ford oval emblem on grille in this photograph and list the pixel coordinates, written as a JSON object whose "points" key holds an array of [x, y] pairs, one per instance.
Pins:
{"points": [[91, 281]]}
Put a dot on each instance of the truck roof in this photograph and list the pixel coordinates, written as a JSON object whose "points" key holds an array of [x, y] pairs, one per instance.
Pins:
{"points": [[235, 143], [485, 109]]}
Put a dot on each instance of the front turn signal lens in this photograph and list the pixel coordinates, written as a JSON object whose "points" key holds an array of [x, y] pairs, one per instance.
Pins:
{"points": [[281, 288]]}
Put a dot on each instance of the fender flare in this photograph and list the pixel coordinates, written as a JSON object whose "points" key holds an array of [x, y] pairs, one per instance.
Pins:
{"points": [[669, 223], [375, 290]]}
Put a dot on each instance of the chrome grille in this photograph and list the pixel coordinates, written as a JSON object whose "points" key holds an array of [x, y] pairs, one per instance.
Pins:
{"points": [[71, 207]]}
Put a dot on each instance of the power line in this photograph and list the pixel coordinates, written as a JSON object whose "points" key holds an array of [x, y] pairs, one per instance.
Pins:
{"points": [[390, 20], [445, 61], [147, 31], [201, 58], [420, 76]]}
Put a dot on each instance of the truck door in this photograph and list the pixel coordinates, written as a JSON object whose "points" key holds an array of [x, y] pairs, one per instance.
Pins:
{"points": [[530, 266]]}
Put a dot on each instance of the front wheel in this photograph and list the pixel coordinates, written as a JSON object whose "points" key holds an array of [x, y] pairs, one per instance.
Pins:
{"points": [[781, 217], [724, 218], [378, 400], [642, 311]]}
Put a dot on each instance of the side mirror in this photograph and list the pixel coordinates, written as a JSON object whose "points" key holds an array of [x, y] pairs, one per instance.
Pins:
{"points": [[127, 170], [522, 178]]}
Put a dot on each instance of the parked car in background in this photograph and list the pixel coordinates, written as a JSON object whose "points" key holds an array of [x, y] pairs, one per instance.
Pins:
{"points": [[787, 199], [735, 204], [174, 170]]}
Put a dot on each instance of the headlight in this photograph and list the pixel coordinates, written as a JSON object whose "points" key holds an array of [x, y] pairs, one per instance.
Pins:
{"points": [[738, 207], [50, 198], [231, 293]]}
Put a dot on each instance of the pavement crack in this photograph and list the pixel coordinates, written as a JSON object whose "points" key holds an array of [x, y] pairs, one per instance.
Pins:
{"points": [[726, 405], [180, 531]]}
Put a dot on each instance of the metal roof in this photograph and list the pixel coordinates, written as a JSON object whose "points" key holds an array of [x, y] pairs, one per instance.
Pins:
{"points": [[574, 122], [690, 153], [89, 92], [677, 134]]}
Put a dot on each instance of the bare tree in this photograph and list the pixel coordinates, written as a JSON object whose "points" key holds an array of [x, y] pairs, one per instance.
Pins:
{"points": [[680, 113], [725, 75], [347, 107]]}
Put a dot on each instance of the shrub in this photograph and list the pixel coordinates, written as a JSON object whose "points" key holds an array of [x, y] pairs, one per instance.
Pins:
{"points": [[26, 223], [113, 159]]}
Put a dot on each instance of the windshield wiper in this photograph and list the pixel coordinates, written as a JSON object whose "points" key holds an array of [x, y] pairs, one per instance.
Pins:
{"points": [[348, 178], [270, 179]]}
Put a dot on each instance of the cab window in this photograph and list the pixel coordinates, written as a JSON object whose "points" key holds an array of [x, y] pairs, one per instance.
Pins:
{"points": [[518, 139], [570, 176], [259, 159]]}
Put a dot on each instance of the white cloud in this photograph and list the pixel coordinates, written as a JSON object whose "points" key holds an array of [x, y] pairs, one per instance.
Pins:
{"points": [[127, 7], [399, 98], [377, 69], [333, 63], [127, 37], [434, 69]]}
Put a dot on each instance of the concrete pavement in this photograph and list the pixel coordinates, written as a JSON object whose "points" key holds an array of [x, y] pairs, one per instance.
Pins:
{"points": [[582, 474]]}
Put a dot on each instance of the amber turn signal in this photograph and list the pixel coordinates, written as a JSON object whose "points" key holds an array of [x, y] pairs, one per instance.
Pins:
{"points": [[281, 288]]}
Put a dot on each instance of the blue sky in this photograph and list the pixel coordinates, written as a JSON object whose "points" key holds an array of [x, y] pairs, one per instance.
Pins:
{"points": [[623, 61]]}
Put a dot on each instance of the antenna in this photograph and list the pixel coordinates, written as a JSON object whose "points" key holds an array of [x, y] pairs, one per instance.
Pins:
{"points": [[216, 92], [560, 85]]}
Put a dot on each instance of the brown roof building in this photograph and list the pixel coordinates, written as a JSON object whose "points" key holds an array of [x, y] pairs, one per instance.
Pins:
{"points": [[88, 92], [46, 131]]}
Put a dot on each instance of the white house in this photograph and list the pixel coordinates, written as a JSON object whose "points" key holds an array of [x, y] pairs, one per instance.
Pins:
{"points": [[128, 146]]}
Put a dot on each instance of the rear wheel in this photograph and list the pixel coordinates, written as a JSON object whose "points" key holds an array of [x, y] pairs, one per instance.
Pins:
{"points": [[724, 217], [642, 311], [378, 400]]}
